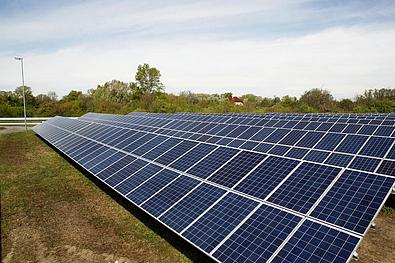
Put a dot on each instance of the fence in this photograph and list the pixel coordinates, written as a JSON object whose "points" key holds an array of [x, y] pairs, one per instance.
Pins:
{"points": [[21, 121]]}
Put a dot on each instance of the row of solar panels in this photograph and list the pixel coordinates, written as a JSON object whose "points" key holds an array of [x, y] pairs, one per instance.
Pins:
{"points": [[217, 198], [374, 120], [320, 147]]}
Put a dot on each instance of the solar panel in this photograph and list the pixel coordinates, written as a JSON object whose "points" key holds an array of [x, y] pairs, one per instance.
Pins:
{"points": [[277, 187]]}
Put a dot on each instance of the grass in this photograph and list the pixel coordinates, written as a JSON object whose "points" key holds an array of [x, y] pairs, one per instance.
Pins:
{"points": [[387, 210], [52, 212]]}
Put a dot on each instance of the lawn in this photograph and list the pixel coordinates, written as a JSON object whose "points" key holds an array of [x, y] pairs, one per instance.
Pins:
{"points": [[52, 212]]}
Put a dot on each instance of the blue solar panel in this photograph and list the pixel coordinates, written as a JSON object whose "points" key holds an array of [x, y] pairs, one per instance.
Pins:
{"points": [[161, 148], [98, 157], [303, 188], [151, 186], [237, 168], [310, 139], [276, 136], [226, 130], [260, 236], [352, 128], [249, 133], [115, 167], [339, 159], [384, 131], [266, 176], [142, 149], [248, 145], [236, 143], [353, 200], [215, 219], [134, 180], [210, 229], [212, 162], [351, 144], [293, 137], [279, 150], [236, 132], [161, 201], [192, 157], [263, 147], [297, 153], [314, 242], [126, 172], [191, 206], [330, 141], [387, 167], [377, 146], [137, 143], [316, 156], [175, 152], [367, 129], [365, 164], [262, 134]]}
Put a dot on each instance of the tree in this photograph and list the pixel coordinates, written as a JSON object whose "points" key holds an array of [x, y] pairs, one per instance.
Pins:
{"points": [[319, 99], [73, 95], [346, 105], [227, 95], [147, 80]]}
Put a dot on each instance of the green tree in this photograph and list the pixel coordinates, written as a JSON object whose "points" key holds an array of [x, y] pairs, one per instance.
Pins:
{"points": [[147, 80], [319, 99]]}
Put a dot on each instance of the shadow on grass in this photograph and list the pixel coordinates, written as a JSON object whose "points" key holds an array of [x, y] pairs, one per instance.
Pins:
{"points": [[176, 241]]}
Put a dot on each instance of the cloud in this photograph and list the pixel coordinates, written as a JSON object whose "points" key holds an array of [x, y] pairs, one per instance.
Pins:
{"points": [[203, 47]]}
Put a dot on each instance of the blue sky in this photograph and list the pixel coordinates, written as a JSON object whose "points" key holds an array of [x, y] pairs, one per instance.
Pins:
{"points": [[263, 47]]}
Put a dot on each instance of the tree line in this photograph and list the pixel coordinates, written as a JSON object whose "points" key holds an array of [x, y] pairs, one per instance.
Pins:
{"points": [[147, 93]]}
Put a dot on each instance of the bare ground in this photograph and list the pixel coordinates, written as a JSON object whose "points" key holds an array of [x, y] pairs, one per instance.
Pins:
{"points": [[50, 212]]}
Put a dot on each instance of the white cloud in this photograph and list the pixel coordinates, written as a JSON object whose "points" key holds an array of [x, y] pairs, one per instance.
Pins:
{"points": [[345, 60]]}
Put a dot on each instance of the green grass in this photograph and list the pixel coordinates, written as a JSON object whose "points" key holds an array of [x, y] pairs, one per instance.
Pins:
{"points": [[387, 210], [48, 205]]}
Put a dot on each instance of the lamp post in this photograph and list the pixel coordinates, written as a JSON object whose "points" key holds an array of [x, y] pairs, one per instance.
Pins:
{"points": [[23, 90]]}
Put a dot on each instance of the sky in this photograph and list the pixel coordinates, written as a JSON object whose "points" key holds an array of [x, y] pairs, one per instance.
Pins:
{"points": [[268, 48]]}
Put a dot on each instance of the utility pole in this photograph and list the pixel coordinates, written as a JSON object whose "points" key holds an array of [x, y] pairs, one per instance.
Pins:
{"points": [[23, 90]]}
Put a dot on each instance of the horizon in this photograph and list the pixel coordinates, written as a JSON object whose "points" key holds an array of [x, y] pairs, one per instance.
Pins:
{"points": [[266, 49]]}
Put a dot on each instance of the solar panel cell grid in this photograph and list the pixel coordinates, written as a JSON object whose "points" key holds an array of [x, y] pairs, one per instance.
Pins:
{"points": [[161, 201], [339, 159], [134, 180], [316, 156], [266, 176], [259, 237], [387, 167], [304, 186], [314, 242], [151, 186], [191, 206], [364, 164], [353, 200], [175, 152], [236, 169], [377, 146], [212, 162], [210, 229], [124, 173]]}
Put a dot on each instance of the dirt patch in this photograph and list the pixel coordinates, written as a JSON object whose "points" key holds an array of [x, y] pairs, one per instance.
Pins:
{"points": [[12, 129], [379, 243]]}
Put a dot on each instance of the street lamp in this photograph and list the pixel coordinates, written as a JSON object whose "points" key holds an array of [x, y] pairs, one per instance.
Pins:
{"points": [[23, 90]]}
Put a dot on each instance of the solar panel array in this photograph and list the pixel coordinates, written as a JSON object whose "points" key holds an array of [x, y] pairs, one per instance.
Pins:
{"points": [[243, 187]]}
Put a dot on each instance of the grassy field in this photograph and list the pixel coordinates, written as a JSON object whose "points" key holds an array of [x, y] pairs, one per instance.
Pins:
{"points": [[51, 212]]}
